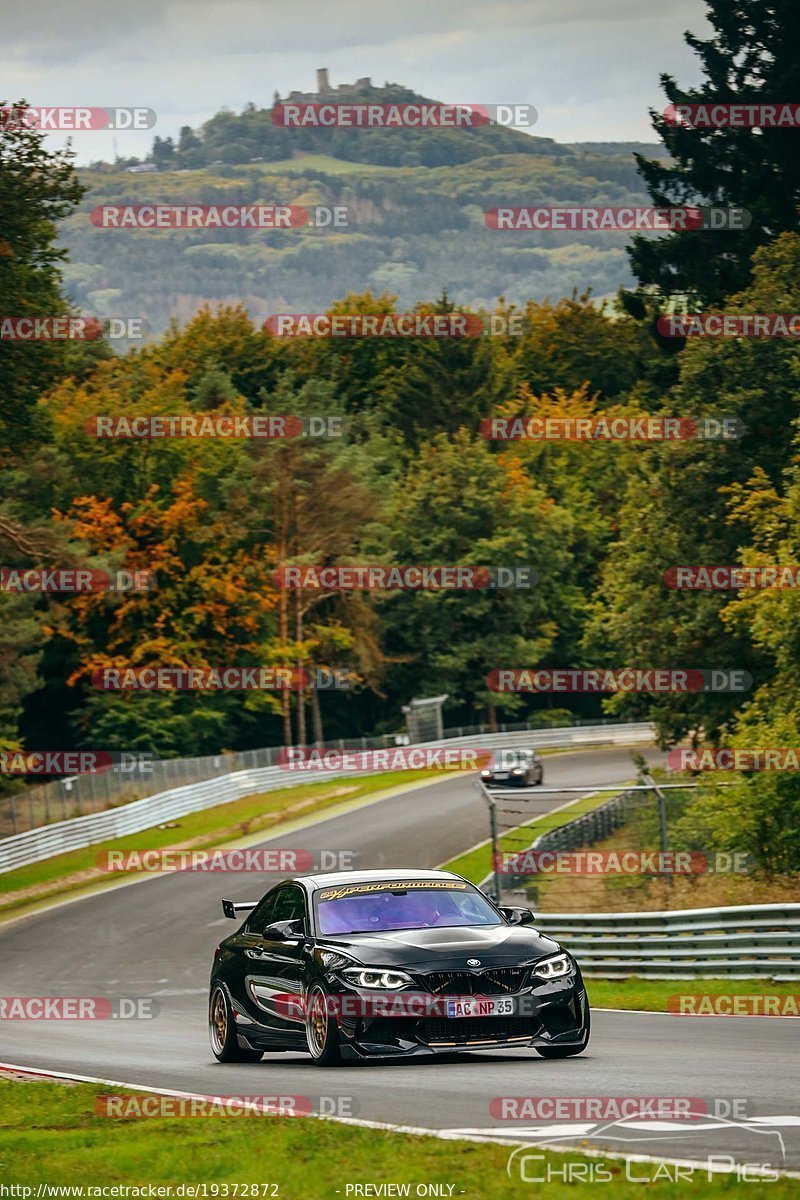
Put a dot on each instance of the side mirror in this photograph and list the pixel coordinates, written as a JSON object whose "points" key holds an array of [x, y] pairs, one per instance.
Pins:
{"points": [[283, 931], [518, 916]]}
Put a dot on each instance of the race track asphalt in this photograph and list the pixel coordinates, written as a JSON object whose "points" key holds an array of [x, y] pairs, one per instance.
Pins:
{"points": [[156, 939]]}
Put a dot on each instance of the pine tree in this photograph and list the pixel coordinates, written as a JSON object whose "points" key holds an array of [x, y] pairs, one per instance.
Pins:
{"points": [[751, 57]]}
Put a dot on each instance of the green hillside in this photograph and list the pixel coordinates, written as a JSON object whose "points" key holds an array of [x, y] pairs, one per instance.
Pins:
{"points": [[416, 227]]}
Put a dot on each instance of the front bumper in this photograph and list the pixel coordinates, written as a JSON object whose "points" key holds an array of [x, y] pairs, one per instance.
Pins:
{"points": [[551, 1013]]}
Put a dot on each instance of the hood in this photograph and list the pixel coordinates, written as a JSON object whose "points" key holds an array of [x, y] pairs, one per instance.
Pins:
{"points": [[447, 949]]}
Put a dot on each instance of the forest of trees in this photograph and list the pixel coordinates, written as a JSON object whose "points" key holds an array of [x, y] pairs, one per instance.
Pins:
{"points": [[413, 481], [411, 231], [416, 226]]}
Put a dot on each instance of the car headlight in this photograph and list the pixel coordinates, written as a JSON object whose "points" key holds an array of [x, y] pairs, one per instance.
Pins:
{"points": [[376, 977], [517, 771], [485, 773], [553, 968]]}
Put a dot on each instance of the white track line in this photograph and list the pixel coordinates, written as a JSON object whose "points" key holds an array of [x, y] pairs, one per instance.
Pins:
{"points": [[654, 1012]]}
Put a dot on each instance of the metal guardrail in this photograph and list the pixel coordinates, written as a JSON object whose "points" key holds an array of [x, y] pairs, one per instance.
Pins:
{"points": [[746, 941], [758, 940], [62, 836], [62, 799]]}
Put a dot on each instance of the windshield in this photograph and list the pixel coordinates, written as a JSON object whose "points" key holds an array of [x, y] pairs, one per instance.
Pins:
{"points": [[369, 908]]}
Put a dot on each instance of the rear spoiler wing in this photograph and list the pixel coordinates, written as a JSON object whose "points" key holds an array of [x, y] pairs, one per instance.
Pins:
{"points": [[230, 909]]}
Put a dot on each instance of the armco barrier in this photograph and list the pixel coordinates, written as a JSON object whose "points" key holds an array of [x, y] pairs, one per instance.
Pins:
{"points": [[750, 941], [758, 940], [78, 832], [131, 779], [137, 777]]}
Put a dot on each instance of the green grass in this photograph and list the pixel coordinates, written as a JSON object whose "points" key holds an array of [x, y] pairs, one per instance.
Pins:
{"points": [[325, 164], [211, 827], [49, 1133], [476, 864], [652, 995]]}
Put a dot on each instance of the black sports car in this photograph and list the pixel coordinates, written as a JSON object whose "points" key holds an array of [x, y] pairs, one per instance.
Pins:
{"points": [[380, 964], [514, 768]]}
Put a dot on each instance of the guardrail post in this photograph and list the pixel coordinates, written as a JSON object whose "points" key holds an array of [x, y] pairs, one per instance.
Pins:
{"points": [[495, 846], [493, 835], [662, 822]]}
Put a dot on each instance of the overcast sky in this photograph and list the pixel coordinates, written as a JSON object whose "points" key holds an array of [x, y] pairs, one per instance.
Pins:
{"points": [[590, 67]]}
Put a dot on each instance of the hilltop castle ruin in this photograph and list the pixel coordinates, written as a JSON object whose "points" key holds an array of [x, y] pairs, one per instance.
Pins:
{"points": [[325, 91]]}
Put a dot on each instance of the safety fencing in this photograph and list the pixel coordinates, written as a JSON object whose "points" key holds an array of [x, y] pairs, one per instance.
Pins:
{"points": [[136, 777], [746, 941], [757, 940], [513, 843], [77, 832], [592, 826]]}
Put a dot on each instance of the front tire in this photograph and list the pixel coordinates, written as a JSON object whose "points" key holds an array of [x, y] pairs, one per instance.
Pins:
{"points": [[222, 1030], [322, 1032]]}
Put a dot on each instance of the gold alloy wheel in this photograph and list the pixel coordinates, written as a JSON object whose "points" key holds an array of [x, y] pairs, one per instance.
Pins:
{"points": [[317, 1024], [219, 1021]]}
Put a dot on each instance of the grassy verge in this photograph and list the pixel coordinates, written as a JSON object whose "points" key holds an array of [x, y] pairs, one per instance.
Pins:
{"points": [[475, 864], [218, 826], [652, 995], [49, 1133], [642, 893]]}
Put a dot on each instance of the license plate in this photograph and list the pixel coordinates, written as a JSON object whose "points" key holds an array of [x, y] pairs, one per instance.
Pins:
{"points": [[480, 1006], [501, 774]]}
